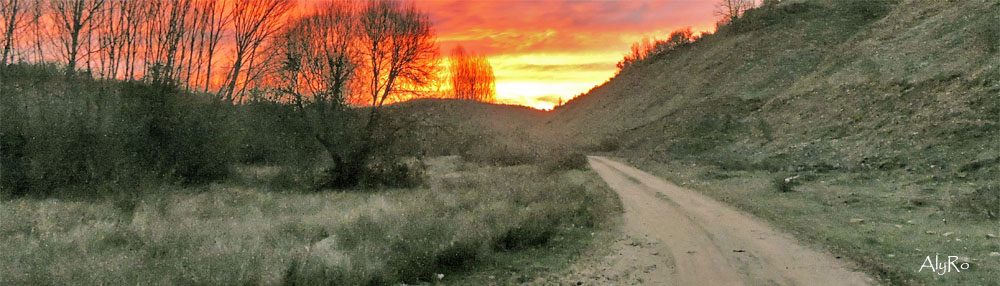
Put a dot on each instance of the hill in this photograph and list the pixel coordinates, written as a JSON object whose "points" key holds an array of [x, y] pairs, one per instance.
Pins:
{"points": [[855, 85], [483, 132], [870, 128]]}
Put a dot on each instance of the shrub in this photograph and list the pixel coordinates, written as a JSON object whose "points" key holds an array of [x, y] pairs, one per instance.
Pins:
{"points": [[786, 183]]}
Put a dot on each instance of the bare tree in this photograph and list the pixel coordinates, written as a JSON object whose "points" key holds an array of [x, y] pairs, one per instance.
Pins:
{"points": [[638, 52], [12, 13], [647, 48], [471, 76], [319, 60], [731, 10], [217, 18], [398, 50], [365, 55], [253, 22], [320, 55], [71, 18], [680, 37]]}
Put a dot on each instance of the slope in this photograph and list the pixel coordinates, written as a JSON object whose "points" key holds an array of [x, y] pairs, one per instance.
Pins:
{"points": [[871, 128], [810, 85]]}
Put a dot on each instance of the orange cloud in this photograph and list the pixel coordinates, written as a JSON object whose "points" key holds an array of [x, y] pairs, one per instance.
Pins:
{"points": [[544, 51]]}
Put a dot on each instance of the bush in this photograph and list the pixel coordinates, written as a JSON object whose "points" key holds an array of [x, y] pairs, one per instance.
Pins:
{"points": [[786, 183]]}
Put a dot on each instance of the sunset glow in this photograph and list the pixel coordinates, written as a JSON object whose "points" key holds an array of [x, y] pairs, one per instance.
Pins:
{"points": [[546, 51], [542, 52]]}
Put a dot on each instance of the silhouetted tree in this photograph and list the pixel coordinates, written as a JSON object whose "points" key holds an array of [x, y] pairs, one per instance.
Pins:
{"points": [[471, 76], [731, 10], [71, 17], [648, 47], [11, 18], [363, 54], [253, 22]]}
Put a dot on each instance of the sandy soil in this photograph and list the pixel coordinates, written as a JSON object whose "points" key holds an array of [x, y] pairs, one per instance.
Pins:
{"points": [[675, 236]]}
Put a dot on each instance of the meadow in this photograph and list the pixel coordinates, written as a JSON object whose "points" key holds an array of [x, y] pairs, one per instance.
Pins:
{"points": [[260, 228]]}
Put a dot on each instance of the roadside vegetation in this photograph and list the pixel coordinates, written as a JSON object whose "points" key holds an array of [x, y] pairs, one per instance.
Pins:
{"points": [[867, 127]]}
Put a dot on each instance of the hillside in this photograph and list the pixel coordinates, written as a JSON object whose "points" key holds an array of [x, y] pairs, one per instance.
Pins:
{"points": [[868, 128], [814, 86], [499, 134]]}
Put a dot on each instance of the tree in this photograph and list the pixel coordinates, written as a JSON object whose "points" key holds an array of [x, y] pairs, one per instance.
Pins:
{"points": [[216, 19], [731, 10], [399, 53], [71, 17], [471, 76], [366, 55], [12, 13], [319, 58], [253, 22], [680, 37], [647, 48]]}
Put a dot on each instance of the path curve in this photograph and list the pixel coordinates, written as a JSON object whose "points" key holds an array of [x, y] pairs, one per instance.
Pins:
{"points": [[699, 241]]}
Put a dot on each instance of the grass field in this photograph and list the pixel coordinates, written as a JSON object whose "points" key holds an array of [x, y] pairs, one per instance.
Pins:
{"points": [[888, 223], [510, 222]]}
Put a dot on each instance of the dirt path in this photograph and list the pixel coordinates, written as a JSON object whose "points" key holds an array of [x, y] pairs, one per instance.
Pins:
{"points": [[675, 236]]}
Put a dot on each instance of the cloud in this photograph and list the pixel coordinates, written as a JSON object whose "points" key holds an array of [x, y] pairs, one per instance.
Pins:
{"points": [[564, 67], [498, 26], [545, 49]]}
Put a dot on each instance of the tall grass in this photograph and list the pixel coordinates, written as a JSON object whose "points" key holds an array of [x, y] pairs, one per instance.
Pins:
{"points": [[232, 234]]}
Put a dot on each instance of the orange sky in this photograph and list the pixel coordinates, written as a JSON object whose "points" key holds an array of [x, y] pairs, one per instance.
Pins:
{"points": [[545, 50]]}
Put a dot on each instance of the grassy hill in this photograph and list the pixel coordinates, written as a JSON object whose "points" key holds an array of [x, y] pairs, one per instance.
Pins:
{"points": [[811, 85], [886, 113]]}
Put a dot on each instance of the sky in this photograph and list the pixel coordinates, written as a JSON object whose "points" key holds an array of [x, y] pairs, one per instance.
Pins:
{"points": [[545, 51]]}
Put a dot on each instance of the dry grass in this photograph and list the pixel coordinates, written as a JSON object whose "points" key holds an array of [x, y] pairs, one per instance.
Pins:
{"points": [[235, 234]]}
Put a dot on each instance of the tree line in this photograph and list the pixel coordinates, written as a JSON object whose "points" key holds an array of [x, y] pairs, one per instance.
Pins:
{"points": [[728, 11], [223, 47], [184, 88]]}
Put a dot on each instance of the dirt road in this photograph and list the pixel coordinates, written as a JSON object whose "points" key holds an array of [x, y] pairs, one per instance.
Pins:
{"points": [[675, 236]]}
